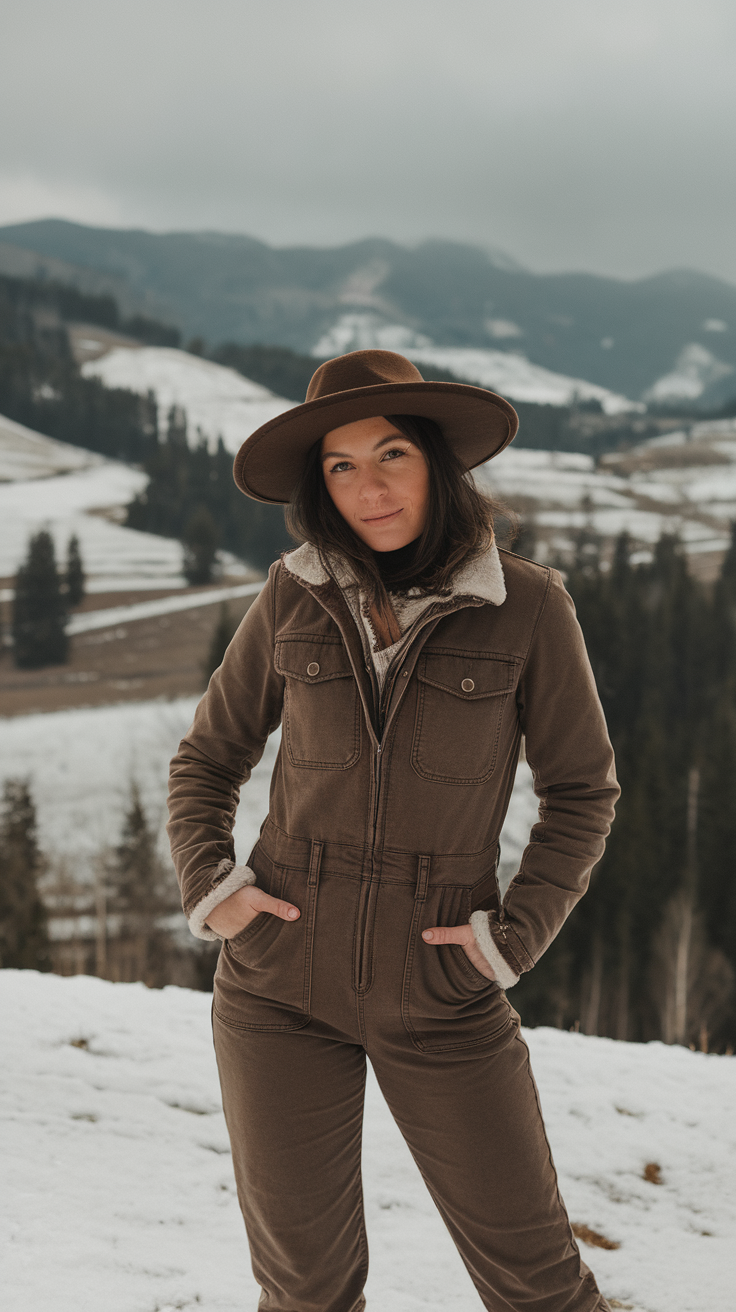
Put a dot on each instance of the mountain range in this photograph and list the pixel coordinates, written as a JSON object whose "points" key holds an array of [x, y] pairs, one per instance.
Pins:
{"points": [[666, 339]]}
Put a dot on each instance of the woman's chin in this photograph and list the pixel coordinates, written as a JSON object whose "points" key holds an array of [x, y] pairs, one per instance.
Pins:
{"points": [[389, 538]]}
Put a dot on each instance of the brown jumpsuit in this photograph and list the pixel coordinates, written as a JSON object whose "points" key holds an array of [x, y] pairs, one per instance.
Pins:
{"points": [[384, 821]]}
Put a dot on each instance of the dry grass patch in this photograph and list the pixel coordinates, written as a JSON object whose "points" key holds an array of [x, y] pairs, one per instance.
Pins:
{"points": [[652, 1173], [593, 1238]]}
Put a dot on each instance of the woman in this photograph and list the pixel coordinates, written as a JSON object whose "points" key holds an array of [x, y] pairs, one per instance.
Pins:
{"points": [[404, 656]]}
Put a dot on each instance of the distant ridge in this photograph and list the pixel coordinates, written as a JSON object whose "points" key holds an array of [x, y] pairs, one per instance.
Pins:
{"points": [[670, 337]]}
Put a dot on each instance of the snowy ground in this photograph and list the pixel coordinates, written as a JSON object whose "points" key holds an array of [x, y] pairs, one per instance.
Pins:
{"points": [[119, 1191], [75, 503], [66, 489], [80, 764], [89, 620], [219, 401]]}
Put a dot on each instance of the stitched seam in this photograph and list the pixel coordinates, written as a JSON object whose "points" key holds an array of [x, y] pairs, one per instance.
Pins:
{"points": [[244, 1025]]}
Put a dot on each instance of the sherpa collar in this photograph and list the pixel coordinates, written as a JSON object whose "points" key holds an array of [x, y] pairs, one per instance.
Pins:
{"points": [[482, 579]]}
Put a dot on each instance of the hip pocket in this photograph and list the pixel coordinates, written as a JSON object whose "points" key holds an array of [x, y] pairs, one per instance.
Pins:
{"points": [[264, 973], [447, 1004]]}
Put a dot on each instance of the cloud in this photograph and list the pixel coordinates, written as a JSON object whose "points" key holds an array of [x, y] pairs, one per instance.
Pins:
{"points": [[573, 134]]}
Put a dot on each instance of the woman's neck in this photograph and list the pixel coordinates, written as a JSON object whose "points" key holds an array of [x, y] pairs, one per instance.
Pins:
{"points": [[390, 564]]}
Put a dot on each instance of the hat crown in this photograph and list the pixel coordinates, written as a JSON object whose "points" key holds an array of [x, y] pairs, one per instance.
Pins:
{"points": [[361, 369]]}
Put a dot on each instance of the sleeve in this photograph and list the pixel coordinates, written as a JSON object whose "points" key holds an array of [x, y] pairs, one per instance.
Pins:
{"points": [[571, 758], [232, 723]]}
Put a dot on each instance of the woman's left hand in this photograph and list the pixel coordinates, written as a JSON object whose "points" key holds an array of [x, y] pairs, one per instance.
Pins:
{"points": [[462, 934]]}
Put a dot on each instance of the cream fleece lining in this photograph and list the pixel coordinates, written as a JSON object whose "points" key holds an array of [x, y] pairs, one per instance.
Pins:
{"points": [[235, 877], [480, 926]]}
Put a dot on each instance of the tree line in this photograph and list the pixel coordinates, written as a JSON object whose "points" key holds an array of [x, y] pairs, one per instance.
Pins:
{"points": [[121, 923], [191, 495], [41, 385], [651, 950]]}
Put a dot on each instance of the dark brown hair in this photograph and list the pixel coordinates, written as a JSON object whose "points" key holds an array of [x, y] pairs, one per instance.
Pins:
{"points": [[459, 523]]}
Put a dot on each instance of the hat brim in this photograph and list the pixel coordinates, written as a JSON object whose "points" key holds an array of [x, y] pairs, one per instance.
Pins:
{"points": [[476, 423]]}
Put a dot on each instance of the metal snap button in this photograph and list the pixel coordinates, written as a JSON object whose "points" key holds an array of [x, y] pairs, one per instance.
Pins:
{"points": [[467, 685], [406, 674], [313, 668]]}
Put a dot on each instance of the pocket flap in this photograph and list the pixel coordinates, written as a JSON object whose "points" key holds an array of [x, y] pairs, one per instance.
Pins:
{"points": [[312, 660], [467, 677]]}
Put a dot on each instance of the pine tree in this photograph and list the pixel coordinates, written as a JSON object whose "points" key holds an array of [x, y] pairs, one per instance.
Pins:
{"points": [[140, 894], [39, 608], [200, 547], [221, 638], [74, 578], [24, 943]]}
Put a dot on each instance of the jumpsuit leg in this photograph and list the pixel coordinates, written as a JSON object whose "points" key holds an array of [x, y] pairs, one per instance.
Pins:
{"points": [[474, 1127], [294, 1109]]}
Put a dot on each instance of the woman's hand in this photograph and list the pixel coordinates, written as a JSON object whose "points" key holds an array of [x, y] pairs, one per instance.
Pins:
{"points": [[236, 912], [462, 934]]}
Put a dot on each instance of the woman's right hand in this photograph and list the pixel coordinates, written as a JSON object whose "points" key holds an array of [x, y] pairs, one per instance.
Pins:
{"points": [[235, 913]]}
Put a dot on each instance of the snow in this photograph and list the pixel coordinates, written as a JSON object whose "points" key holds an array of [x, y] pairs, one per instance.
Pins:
{"points": [[694, 370], [89, 620], [65, 489], [77, 503], [26, 454], [219, 401], [566, 491], [502, 371], [119, 1191], [516, 377], [558, 478]]}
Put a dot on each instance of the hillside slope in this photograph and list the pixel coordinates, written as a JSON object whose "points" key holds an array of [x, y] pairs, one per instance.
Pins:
{"points": [[625, 336]]}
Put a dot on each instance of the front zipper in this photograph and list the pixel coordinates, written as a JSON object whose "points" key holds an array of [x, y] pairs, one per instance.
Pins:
{"points": [[383, 702]]}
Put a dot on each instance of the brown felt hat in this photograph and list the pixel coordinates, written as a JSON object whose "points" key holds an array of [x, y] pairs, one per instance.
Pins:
{"points": [[477, 424]]}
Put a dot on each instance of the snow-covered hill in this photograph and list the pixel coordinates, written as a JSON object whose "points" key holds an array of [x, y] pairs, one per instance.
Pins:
{"points": [[67, 489], [119, 1194], [25, 454], [507, 372], [218, 401], [682, 482]]}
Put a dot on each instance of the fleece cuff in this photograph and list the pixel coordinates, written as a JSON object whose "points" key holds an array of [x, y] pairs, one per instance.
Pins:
{"points": [[483, 937], [235, 877]]}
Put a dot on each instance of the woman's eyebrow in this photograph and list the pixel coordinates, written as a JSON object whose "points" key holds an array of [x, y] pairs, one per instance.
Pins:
{"points": [[345, 455]]}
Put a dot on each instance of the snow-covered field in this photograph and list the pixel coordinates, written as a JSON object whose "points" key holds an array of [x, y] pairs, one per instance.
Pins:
{"points": [[80, 764], [119, 1195], [565, 491], [219, 401]]}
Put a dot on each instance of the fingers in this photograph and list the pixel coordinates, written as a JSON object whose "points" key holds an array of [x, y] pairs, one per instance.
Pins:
{"points": [[462, 934], [274, 906]]}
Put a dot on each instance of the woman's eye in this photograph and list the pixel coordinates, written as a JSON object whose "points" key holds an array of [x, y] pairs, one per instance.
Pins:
{"points": [[393, 452], [338, 468]]}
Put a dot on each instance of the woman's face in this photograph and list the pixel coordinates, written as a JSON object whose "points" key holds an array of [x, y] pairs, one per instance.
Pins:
{"points": [[379, 481]]}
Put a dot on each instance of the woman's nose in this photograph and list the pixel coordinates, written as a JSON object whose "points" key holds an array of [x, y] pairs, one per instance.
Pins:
{"points": [[372, 485]]}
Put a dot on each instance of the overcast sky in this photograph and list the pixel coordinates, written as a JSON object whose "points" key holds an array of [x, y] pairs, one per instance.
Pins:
{"points": [[571, 134]]}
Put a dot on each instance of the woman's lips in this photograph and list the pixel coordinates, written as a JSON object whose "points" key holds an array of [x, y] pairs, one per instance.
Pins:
{"points": [[381, 519]]}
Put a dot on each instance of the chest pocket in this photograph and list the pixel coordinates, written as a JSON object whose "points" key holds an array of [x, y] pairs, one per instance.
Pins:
{"points": [[460, 709], [321, 719]]}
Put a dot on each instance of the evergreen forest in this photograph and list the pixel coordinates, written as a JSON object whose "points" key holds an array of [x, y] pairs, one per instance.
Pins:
{"points": [[650, 952], [40, 382], [191, 495]]}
